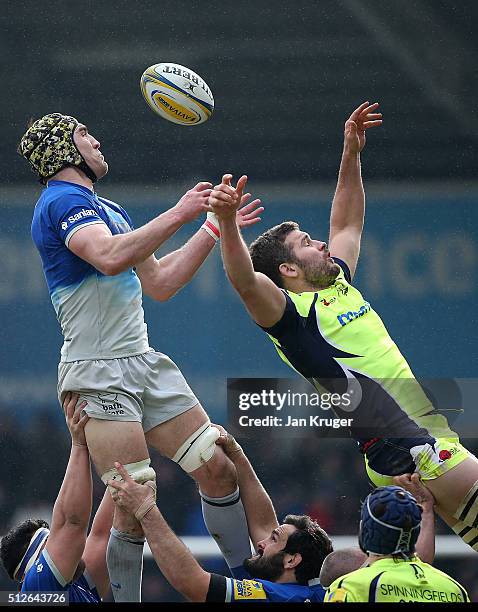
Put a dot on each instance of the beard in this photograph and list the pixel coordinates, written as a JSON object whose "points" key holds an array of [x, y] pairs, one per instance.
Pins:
{"points": [[320, 275], [265, 568]]}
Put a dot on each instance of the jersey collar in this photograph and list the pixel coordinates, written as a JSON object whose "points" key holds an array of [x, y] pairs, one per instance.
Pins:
{"points": [[394, 561], [81, 187]]}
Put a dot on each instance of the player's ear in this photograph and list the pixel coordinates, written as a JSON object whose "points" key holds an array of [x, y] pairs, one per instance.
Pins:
{"points": [[292, 561], [289, 269]]}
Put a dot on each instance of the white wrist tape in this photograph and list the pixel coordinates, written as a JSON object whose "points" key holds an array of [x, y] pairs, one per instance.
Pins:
{"points": [[147, 505], [211, 225]]}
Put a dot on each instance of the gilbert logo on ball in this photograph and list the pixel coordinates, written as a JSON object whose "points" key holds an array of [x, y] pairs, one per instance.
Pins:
{"points": [[177, 94]]}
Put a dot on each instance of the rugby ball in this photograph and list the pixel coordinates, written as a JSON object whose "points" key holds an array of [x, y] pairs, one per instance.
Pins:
{"points": [[177, 94]]}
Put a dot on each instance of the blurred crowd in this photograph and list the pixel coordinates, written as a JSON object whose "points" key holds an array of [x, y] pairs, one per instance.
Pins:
{"points": [[322, 478]]}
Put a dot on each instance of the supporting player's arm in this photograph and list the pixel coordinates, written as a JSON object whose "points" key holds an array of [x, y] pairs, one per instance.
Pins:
{"points": [[94, 555], [72, 509], [348, 206], [173, 558], [260, 513], [264, 301], [111, 255], [163, 278], [425, 545]]}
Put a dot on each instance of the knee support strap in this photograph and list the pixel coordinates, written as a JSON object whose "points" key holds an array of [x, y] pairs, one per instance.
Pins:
{"points": [[141, 471], [467, 511], [198, 448]]}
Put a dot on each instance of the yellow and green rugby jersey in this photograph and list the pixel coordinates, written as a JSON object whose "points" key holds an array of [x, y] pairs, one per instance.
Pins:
{"points": [[333, 337], [396, 580]]}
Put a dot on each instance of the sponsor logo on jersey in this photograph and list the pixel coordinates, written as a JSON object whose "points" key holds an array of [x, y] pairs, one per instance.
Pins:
{"points": [[342, 289], [248, 589], [351, 315], [444, 455], [336, 596], [83, 214], [402, 593], [419, 573], [39, 568], [328, 302]]}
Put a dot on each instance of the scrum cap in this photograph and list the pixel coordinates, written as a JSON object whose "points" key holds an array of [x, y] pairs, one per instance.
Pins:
{"points": [[390, 522], [49, 147]]}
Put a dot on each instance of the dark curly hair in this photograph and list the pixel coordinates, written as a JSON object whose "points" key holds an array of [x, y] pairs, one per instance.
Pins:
{"points": [[312, 542], [15, 543], [269, 251]]}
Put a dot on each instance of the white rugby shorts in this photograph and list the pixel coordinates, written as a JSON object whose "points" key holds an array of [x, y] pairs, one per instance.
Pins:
{"points": [[147, 388]]}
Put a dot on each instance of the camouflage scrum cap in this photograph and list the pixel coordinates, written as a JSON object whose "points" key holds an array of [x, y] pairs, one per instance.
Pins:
{"points": [[49, 147]]}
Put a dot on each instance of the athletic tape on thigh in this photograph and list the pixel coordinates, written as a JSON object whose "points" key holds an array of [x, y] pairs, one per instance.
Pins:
{"points": [[139, 471], [467, 511], [198, 448], [469, 535]]}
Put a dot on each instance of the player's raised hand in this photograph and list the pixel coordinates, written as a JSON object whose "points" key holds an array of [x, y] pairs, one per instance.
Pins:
{"points": [[135, 498], [225, 199], [249, 213], [74, 420], [194, 202], [413, 484], [363, 118], [222, 203]]}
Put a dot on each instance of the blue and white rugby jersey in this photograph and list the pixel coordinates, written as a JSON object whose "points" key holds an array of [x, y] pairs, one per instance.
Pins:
{"points": [[101, 317], [254, 590], [44, 576]]}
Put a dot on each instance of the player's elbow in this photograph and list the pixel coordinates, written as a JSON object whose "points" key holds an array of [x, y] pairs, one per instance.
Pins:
{"points": [[241, 285], [166, 293], [163, 287], [247, 291], [160, 294], [104, 254], [72, 529], [112, 266], [107, 270], [75, 521]]}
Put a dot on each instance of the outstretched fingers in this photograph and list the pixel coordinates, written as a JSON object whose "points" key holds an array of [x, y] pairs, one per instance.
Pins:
{"points": [[241, 184], [369, 124], [356, 113], [368, 108], [123, 472], [368, 118], [202, 186], [252, 208]]}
